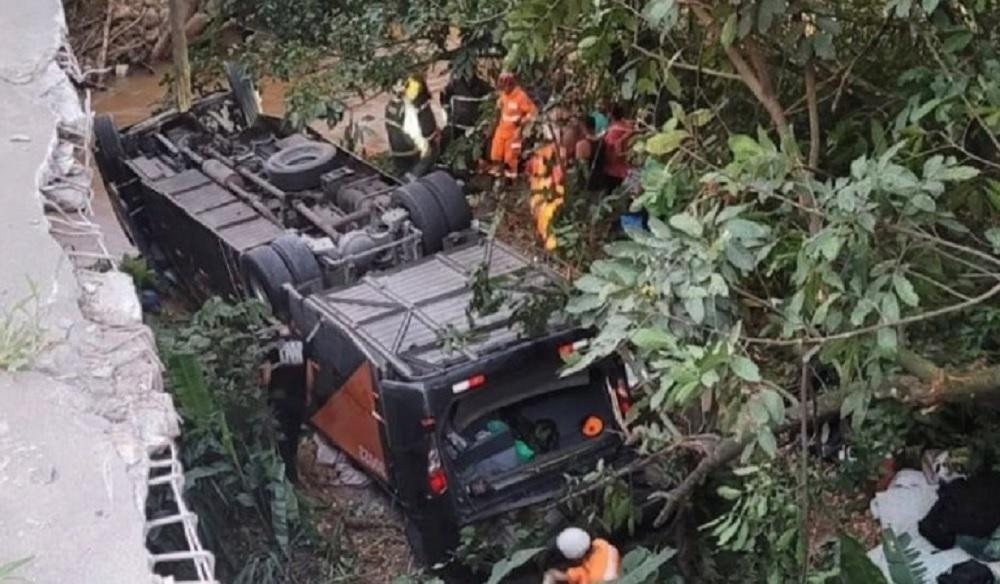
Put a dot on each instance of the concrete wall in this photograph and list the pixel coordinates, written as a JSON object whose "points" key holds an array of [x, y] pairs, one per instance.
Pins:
{"points": [[78, 422]]}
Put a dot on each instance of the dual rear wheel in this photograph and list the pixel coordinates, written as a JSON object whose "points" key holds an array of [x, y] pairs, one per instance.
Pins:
{"points": [[437, 207]]}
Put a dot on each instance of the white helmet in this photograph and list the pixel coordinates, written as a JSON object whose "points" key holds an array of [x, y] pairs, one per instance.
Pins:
{"points": [[573, 542]]}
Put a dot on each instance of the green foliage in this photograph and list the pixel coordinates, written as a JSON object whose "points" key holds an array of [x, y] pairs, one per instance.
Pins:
{"points": [[486, 545], [505, 567], [884, 433], [250, 514], [142, 275], [330, 51], [763, 520], [767, 237], [855, 566], [904, 567], [611, 507], [642, 566]]}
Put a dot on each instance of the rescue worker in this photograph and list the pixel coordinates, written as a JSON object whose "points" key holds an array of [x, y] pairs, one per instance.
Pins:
{"points": [[615, 166], [515, 108], [462, 100], [615, 144], [600, 561], [547, 180], [412, 128]]}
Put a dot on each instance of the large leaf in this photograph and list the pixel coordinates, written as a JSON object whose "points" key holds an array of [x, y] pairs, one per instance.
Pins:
{"points": [[653, 338], [855, 566], [504, 567], [903, 560], [647, 567], [729, 30], [905, 291], [687, 223], [192, 392], [657, 12], [766, 12], [745, 368], [666, 142]]}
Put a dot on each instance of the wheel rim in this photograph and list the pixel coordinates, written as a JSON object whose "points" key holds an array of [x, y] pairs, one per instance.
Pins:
{"points": [[257, 292]]}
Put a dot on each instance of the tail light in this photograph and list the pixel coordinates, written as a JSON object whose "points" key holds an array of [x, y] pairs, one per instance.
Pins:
{"points": [[437, 480], [474, 381], [623, 397], [570, 348]]}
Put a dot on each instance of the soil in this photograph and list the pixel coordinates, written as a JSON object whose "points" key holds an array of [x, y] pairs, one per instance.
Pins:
{"points": [[370, 527]]}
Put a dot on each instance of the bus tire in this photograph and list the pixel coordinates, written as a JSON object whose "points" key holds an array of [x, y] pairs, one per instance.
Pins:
{"points": [[265, 275]]}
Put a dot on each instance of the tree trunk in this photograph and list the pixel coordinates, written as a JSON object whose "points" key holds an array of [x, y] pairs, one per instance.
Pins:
{"points": [[182, 68]]}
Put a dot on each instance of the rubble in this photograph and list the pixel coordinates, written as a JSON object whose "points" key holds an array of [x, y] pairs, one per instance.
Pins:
{"points": [[80, 425]]}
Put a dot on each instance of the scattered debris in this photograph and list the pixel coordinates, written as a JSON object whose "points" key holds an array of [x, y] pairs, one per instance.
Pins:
{"points": [[901, 508], [344, 472]]}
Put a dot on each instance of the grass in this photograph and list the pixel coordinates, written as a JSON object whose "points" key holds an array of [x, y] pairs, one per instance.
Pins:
{"points": [[7, 569], [21, 333]]}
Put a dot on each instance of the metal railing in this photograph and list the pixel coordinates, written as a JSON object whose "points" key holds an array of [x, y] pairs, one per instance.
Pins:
{"points": [[166, 472], [83, 242]]}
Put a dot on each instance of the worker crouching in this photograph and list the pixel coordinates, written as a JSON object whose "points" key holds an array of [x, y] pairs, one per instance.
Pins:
{"points": [[599, 560], [547, 181], [515, 109]]}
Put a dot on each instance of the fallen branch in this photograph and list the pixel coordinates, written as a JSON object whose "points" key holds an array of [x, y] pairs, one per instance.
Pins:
{"points": [[929, 384]]}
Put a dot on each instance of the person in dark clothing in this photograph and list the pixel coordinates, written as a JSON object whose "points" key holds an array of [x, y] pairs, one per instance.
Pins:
{"points": [[964, 507], [463, 99]]}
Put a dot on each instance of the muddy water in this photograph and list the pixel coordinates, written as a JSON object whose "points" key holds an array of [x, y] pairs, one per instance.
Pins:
{"points": [[134, 98]]}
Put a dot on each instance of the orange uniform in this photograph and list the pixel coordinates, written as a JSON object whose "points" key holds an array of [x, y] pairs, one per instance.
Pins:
{"points": [[548, 190], [601, 564], [515, 107]]}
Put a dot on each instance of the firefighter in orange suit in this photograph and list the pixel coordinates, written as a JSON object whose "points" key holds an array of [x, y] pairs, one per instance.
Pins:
{"points": [[547, 180], [599, 560], [515, 108]]}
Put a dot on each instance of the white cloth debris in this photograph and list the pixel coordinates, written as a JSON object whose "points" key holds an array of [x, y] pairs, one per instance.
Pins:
{"points": [[346, 473], [900, 508]]}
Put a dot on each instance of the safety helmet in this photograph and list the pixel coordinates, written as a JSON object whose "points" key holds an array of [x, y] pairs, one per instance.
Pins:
{"points": [[573, 542], [506, 79], [412, 87]]}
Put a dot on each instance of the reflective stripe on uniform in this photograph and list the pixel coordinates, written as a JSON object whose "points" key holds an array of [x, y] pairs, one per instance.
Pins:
{"points": [[469, 99], [612, 569]]}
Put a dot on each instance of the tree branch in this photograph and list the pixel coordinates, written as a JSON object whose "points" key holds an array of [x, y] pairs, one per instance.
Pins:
{"points": [[814, 138], [806, 198], [747, 74], [670, 62], [929, 384], [875, 327], [804, 385]]}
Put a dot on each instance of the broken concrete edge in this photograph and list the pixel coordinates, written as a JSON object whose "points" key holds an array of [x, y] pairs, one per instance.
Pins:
{"points": [[96, 342]]}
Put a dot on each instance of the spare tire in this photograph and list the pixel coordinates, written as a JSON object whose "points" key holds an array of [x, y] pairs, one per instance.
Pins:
{"points": [[298, 167], [110, 151], [244, 95], [265, 274], [450, 196], [425, 213], [298, 258]]}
